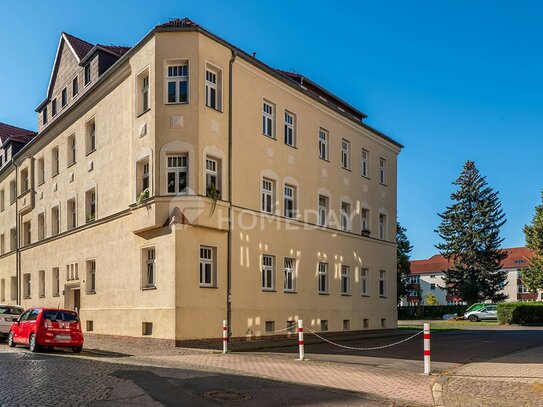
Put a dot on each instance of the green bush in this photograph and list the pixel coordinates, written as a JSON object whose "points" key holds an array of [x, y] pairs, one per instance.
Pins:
{"points": [[429, 311], [522, 313]]}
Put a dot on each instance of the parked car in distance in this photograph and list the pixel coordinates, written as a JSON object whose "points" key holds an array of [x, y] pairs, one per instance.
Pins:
{"points": [[488, 312], [47, 327], [8, 314], [476, 306]]}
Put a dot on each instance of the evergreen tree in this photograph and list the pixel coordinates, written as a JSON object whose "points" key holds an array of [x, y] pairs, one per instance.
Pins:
{"points": [[470, 229], [404, 265], [532, 278]]}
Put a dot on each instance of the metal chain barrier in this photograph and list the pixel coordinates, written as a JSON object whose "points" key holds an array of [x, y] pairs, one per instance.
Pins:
{"points": [[364, 349]]}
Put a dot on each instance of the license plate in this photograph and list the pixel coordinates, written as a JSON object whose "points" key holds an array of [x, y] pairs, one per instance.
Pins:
{"points": [[65, 338]]}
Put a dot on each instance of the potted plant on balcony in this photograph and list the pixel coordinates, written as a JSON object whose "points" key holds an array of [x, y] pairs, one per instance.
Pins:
{"points": [[143, 196], [214, 194]]}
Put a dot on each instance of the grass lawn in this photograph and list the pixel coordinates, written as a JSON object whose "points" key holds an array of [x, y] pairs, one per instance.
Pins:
{"points": [[441, 325]]}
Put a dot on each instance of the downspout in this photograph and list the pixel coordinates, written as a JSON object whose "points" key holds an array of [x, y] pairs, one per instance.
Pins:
{"points": [[17, 252], [229, 239]]}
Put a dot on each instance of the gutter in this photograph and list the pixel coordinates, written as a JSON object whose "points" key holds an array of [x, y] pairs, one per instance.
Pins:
{"points": [[229, 239], [17, 227]]}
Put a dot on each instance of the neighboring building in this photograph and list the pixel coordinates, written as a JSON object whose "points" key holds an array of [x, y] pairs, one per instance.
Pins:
{"points": [[123, 198], [427, 278], [12, 140]]}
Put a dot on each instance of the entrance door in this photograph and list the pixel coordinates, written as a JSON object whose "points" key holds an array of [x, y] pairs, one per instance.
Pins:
{"points": [[77, 299]]}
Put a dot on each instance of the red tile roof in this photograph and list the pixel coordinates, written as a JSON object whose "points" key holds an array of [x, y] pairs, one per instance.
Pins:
{"points": [[517, 258], [116, 49], [80, 47], [179, 22], [8, 132]]}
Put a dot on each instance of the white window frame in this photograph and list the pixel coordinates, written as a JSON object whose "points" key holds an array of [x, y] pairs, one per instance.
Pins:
{"points": [[55, 281], [345, 216], [55, 161], [324, 136], [382, 283], [345, 280], [90, 136], [268, 118], [290, 129], [382, 226], [289, 201], [181, 166], [178, 73], [382, 171], [364, 282], [323, 210], [345, 154], [365, 163], [289, 273], [213, 84], [55, 221], [149, 269], [364, 220], [27, 285], [41, 283], [212, 171], [323, 278], [207, 263], [41, 170], [72, 213], [71, 150], [91, 209], [268, 272], [267, 195], [91, 276]]}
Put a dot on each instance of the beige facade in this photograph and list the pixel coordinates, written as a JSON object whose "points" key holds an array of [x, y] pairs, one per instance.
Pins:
{"points": [[128, 259]]}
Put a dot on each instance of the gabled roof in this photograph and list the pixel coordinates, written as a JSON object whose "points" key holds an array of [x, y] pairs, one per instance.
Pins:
{"points": [[8, 132], [517, 257], [79, 47]]}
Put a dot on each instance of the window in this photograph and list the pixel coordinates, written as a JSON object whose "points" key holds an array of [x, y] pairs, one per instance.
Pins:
{"points": [[54, 108], [213, 182], [143, 177], [27, 285], [90, 198], [72, 214], [324, 325], [177, 173], [2, 290], [323, 210], [2, 244], [41, 171], [382, 283], [41, 226], [13, 288], [267, 195], [12, 239], [44, 116], [289, 201], [382, 226], [55, 221], [64, 98], [289, 274], [346, 325], [383, 323], [345, 280], [27, 233], [75, 87], [87, 74], [290, 129], [12, 191], [382, 171], [346, 154], [268, 273], [268, 119], [364, 284], [323, 278], [270, 326], [432, 286], [365, 221], [522, 289], [91, 276], [146, 328], [2, 200], [213, 87], [345, 216], [291, 327], [208, 276], [177, 83], [149, 272], [71, 150], [143, 84], [55, 163], [41, 281], [25, 180], [72, 271], [323, 144], [56, 282], [365, 163], [89, 325], [414, 280], [90, 130], [432, 276]]}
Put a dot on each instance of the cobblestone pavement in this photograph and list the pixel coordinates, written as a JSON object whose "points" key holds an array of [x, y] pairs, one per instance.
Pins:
{"points": [[62, 379], [512, 380]]}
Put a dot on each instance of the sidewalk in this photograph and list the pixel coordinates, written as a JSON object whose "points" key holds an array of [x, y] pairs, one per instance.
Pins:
{"points": [[512, 380]]}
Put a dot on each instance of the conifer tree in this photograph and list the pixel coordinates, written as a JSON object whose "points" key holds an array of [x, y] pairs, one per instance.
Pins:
{"points": [[404, 265], [532, 278], [470, 229]]}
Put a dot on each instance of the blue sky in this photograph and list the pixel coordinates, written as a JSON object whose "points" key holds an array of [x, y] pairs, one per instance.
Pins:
{"points": [[451, 80]]}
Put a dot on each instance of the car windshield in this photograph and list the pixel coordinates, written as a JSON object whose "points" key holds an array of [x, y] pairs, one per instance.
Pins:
{"points": [[60, 316], [10, 311]]}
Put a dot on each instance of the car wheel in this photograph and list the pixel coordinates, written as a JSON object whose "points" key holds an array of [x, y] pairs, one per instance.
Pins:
{"points": [[11, 342], [77, 349], [473, 318], [32, 344]]}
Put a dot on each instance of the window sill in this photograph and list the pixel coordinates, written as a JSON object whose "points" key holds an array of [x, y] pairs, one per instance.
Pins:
{"points": [[324, 159], [90, 152], [291, 146], [270, 137], [384, 185], [174, 103], [142, 113], [54, 175], [365, 176], [269, 290], [148, 288], [56, 295], [42, 296], [91, 292], [208, 286], [322, 293], [25, 297], [345, 295], [383, 296], [365, 295], [290, 292], [216, 110], [41, 183], [71, 165], [346, 169]]}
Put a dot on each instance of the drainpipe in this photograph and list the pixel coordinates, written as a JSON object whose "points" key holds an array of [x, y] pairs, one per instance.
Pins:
{"points": [[229, 240], [17, 252]]}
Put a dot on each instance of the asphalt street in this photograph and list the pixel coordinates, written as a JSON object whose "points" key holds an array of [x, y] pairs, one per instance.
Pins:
{"points": [[57, 378]]}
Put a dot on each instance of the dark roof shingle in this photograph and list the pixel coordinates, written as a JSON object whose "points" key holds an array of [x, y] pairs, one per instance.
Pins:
{"points": [[8, 132], [80, 47]]}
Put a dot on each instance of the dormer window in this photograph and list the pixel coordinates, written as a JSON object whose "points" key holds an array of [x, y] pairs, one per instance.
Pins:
{"points": [[75, 87], [54, 107], [44, 115], [64, 98], [87, 74]]}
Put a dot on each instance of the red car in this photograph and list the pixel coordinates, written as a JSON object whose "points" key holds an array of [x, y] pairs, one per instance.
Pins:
{"points": [[47, 327]]}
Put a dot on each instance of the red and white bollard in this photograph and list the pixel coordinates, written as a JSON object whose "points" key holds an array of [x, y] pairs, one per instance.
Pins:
{"points": [[301, 338], [224, 336], [426, 334]]}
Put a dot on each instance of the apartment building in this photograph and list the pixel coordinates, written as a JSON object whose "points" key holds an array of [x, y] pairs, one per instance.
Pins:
{"points": [[12, 140], [427, 278], [182, 182]]}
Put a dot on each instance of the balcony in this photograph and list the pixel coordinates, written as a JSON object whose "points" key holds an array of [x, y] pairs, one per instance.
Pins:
{"points": [[25, 201], [160, 211]]}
